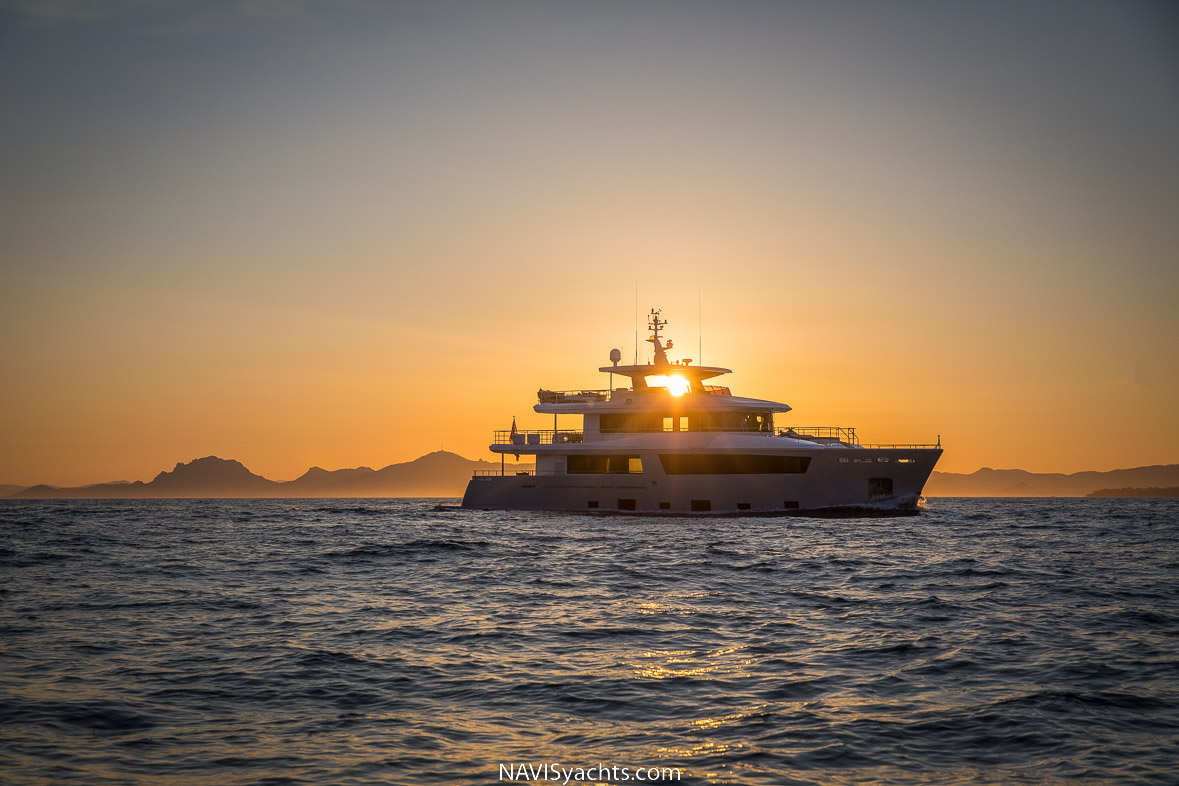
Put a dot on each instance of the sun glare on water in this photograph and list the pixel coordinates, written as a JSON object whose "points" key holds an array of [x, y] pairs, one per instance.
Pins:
{"points": [[676, 386]]}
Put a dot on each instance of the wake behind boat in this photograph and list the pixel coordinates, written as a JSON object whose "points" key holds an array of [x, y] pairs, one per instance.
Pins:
{"points": [[669, 443]]}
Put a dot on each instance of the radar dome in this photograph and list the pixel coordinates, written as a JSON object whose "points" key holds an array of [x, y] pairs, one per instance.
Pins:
{"points": [[615, 356]]}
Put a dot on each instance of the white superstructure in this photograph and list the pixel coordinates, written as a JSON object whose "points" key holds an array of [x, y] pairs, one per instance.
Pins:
{"points": [[671, 443]]}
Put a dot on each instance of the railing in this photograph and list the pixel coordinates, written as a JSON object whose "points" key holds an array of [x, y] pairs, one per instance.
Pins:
{"points": [[820, 434], [549, 437], [574, 396], [597, 396]]}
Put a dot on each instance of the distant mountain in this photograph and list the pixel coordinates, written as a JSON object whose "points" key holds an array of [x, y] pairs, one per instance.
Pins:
{"points": [[7, 489], [442, 474], [989, 482], [214, 477], [438, 474], [204, 477], [1172, 491]]}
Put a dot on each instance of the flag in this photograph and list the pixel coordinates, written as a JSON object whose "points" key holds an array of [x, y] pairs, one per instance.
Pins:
{"points": [[513, 425]]}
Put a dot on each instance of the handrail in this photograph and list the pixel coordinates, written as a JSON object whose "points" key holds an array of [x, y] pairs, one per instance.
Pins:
{"points": [[604, 395], [573, 396], [843, 434], [820, 435], [549, 437]]}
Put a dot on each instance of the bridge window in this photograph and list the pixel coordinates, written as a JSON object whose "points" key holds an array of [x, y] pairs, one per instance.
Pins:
{"points": [[604, 465], [731, 421], [629, 423], [675, 423], [732, 464]]}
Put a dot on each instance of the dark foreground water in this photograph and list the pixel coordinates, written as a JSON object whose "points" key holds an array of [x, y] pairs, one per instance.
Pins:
{"points": [[381, 641]]}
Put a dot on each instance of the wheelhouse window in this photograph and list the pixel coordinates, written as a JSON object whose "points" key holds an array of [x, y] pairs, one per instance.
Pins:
{"points": [[617, 423], [629, 423], [732, 464], [731, 421], [604, 465]]}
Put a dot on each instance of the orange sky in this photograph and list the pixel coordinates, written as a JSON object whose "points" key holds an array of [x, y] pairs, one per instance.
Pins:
{"points": [[349, 237]]}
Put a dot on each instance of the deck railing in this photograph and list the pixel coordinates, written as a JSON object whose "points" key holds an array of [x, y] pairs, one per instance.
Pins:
{"points": [[574, 396], [596, 396], [548, 437], [820, 435]]}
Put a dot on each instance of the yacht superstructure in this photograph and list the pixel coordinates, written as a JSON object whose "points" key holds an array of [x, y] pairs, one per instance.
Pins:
{"points": [[670, 443]]}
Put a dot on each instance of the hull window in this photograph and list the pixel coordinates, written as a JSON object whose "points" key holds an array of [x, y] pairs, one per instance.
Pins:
{"points": [[732, 464], [790, 504], [665, 506], [626, 504], [700, 505], [593, 503]]}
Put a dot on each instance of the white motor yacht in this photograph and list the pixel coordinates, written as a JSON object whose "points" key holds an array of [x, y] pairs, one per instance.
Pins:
{"points": [[670, 443]]}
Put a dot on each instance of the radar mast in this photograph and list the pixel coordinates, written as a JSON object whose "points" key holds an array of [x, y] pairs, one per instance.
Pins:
{"points": [[655, 324]]}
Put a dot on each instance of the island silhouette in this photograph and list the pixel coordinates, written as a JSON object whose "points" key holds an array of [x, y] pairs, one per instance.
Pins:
{"points": [[445, 474], [437, 474]]}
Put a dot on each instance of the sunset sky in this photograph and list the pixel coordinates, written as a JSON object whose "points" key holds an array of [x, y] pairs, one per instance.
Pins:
{"points": [[350, 233]]}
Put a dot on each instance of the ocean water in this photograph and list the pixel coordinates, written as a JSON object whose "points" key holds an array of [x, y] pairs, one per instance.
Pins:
{"points": [[384, 641]]}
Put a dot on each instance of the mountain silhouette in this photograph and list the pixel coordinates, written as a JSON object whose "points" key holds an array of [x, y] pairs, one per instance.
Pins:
{"points": [[438, 474], [225, 477], [988, 482], [443, 474]]}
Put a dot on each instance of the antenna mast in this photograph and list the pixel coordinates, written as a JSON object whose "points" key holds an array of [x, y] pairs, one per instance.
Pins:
{"points": [[636, 359], [656, 324]]}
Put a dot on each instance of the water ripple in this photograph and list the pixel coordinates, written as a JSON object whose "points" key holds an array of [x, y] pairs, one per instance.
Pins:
{"points": [[386, 641]]}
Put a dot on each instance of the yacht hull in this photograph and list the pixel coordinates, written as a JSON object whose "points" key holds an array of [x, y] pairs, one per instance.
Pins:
{"points": [[863, 479]]}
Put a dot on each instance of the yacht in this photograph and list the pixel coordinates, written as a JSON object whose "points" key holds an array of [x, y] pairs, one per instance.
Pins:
{"points": [[672, 442]]}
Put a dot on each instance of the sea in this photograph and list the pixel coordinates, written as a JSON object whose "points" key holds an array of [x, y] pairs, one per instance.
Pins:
{"points": [[390, 641]]}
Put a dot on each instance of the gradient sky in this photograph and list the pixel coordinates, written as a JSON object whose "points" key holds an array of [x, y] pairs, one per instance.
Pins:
{"points": [[349, 233]]}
